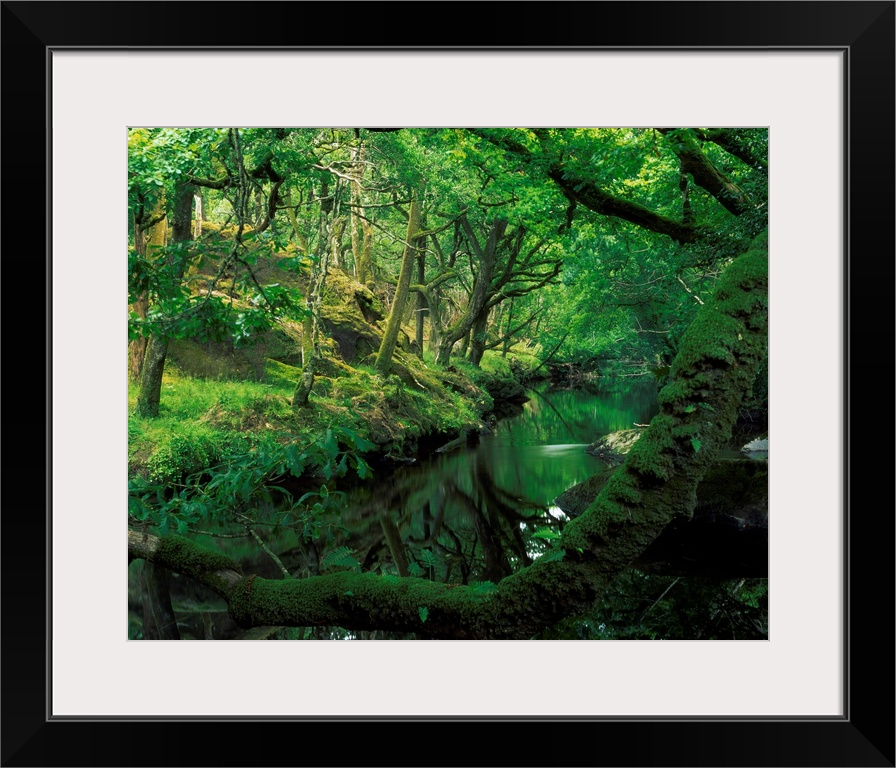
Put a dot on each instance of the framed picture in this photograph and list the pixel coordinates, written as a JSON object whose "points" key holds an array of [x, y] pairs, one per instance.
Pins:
{"points": [[818, 75]]}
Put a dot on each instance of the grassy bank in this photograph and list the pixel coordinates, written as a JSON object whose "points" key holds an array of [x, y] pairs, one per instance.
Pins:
{"points": [[203, 420]]}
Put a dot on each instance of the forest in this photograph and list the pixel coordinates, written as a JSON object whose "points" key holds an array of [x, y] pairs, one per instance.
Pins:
{"points": [[448, 383]]}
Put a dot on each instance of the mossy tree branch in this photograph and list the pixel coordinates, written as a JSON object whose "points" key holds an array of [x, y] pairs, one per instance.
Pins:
{"points": [[686, 145]]}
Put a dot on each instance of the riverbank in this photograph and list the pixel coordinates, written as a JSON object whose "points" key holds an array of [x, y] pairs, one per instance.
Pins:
{"points": [[205, 420]]}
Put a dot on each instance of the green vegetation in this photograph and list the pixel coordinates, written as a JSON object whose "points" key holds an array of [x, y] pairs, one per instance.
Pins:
{"points": [[311, 307]]}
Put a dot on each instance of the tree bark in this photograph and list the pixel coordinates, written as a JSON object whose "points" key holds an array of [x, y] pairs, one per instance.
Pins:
{"points": [[393, 324], [733, 141], [478, 338], [148, 241], [487, 260], [685, 144], [361, 231], [422, 307], [505, 347], [199, 215], [311, 321], [149, 398]]}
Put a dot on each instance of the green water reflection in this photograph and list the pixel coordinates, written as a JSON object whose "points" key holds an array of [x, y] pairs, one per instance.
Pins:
{"points": [[470, 514]]}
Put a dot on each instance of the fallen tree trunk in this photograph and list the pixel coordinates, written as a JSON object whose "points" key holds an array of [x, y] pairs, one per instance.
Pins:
{"points": [[717, 362]]}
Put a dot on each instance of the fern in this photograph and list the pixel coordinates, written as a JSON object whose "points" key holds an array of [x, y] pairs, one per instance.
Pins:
{"points": [[427, 558], [341, 557], [552, 555]]}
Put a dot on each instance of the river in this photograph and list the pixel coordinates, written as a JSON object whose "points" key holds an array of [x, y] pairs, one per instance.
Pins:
{"points": [[470, 514]]}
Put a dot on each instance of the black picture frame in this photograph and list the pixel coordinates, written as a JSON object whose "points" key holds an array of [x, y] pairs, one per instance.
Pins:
{"points": [[864, 736]]}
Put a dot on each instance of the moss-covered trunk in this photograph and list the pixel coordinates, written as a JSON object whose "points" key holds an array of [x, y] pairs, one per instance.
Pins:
{"points": [[149, 237], [156, 352], [477, 338], [421, 300], [360, 229], [313, 300], [717, 361], [393, 324]]}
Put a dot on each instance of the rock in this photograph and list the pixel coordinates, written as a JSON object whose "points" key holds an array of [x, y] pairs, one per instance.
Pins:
{"points": [[508, 390], [355, 337], [611, 448]]}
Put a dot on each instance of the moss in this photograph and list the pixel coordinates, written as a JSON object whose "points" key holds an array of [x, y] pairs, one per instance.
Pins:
{"points": [[186, 556], [282, 373], [716, 364], [183, 453]]}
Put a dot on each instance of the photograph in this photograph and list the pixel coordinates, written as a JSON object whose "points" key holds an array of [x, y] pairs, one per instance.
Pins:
{"points": [[464, 384], [478, 342]]}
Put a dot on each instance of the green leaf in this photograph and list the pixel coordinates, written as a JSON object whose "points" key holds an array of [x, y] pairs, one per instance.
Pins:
{"points": [[690, 408], [330, 444], [424, 613], [349, 593], [695, 443], [427, 558], [552, 555], [341, 557], [545, 533]]}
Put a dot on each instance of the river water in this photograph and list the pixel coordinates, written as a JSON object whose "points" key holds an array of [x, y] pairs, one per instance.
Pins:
{"points": [[470, 514]]}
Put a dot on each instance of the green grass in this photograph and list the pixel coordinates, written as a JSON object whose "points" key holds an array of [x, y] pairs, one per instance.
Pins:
{"points": [[198, 420], [203, 421]]}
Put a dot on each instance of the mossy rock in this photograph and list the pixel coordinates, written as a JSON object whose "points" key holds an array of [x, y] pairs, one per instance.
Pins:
{"points": [[611, 448], [217, 360], [503, 389], [354, 337]]}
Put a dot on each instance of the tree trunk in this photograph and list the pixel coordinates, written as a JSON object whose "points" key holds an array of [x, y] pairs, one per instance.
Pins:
{"points": [[360, 228], [393, 540], [199, 215], [337, 229], [393, 324], [477, 338], [505, 347], [487, 258], [309, 360], [313, 302], [159, 621], [148, 242], [153, 368], [422, 307], [150, 396], [465, 344], [301, 240], [435, 306]]}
